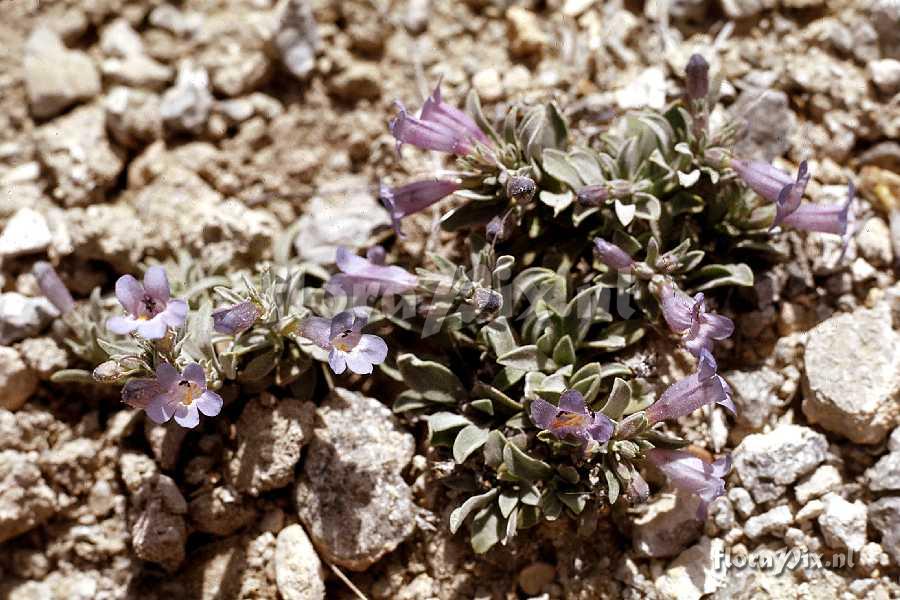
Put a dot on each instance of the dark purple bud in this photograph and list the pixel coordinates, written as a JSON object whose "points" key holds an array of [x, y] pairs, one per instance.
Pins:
{"points": [[487, 301], [612, 256], [413, 197], [697, 77], [520, 189], [693, 475], [497, 229], [53, 288], [683, 397], [593, 195], [235, 319]]}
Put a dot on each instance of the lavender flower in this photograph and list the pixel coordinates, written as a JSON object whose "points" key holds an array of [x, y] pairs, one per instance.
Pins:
{"points": [[612, 256], [347, 346], [683, 397], [835, 219], [53, 288], [151, 310], [442, 127], [235, 319], [697, 77], [693, 475], [365, 277], [697, 327], [172, 394], [413, 197], [774, 184], [571, 419]]}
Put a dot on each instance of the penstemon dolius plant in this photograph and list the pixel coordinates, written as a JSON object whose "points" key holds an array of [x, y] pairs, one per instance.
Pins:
{"points": [[525, 348]]}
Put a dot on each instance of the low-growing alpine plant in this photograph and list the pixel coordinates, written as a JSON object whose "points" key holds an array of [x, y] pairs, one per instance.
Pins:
{"points": [[526, 349]]}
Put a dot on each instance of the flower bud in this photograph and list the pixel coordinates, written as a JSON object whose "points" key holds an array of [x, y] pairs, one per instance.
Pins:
{"points": [[108, 372], [53, 288], [697, 80], [593, 195], [235, 319], [487, 301], [520, 189]]}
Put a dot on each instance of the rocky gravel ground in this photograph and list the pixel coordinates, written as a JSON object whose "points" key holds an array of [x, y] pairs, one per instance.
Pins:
{"points": [[140, 129]]}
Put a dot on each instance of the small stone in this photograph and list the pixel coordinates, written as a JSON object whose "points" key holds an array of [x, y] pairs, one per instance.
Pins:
{"points": [[359, 81], [120, 39], [220, 511], [416, 17], [885, 475], [17, 381], [338, 219], [76, 152], [56, 77], [874, 242], [894, 441], [133, 116], [843, 524], [352, 499], [825, 479], [43, 356], [646, 90], [26, 232], [526, 38], [755, 395], [26, 500], [769, 462], [769, 123], [693, 574], [742, 501], [270, 439], [812, 510], [488, 85], [794, 537], [885, 74], [297, 39], [774, 521], [165, 442], [298, 571], [666, 527], [574, 8], [137, 71], [535, 577], [853, 392], [872, 556], [741, 9], [173, 20], [186, 105], [22, 317], [885, 517]]}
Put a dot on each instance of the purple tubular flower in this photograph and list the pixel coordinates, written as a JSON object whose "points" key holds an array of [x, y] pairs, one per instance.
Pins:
{"points": [[151, 310], [683, 397], [612, 256], [235, 319], [181, 395], [688, 317], [571, 419], [140, 392], [413, 197], [836, 219], [362, 277], [774, 184], [347, 346], [53, 288], [693, 475], [435, 110], [428, 135]]}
